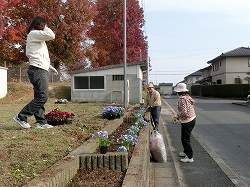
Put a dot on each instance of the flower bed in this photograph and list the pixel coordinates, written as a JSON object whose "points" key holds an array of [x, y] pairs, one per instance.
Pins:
{"points": [[58, 117], [129, 136], [113, 112], [116, 178]]}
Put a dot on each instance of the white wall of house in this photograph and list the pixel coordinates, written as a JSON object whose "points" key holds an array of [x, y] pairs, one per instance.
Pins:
{"points": [[230, 68], [113, 90], [191, 80], [207, 72], [3, 81]]}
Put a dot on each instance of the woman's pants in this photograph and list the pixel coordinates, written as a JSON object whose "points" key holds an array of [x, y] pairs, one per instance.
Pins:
{"points": [[186, 129], [39, 78]]}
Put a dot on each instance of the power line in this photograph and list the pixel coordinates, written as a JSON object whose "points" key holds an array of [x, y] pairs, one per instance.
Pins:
{"points": [[184, 56]]}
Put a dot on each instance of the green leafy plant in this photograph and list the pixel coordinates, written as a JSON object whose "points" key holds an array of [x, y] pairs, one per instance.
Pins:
{"points": [[102, 138]]}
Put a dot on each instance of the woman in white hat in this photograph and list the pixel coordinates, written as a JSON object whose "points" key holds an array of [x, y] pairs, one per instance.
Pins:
{"points": [[187, 117]]}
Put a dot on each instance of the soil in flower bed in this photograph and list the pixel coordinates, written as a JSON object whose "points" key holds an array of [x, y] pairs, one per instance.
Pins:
{"points": [[102, 177]]}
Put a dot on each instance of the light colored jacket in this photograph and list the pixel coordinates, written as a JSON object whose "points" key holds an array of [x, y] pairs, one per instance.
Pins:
{"points": [[36, 48], [153, 99], [185, 106]]}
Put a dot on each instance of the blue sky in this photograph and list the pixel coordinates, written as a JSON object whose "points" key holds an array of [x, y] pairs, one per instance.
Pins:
{"points": [[183, 35]]}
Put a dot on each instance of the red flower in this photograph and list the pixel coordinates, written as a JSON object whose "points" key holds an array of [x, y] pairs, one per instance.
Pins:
{"points": [[58, 115]]}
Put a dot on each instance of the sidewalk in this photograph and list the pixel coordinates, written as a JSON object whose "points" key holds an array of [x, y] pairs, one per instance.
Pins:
{"points": [[204, 171]]}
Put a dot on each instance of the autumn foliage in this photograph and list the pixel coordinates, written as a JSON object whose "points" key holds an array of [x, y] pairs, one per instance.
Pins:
{"points": [[107, 33], [89, 33]]}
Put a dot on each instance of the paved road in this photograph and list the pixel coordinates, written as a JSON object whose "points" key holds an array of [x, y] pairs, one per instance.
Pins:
{"points": [[223, 130]]}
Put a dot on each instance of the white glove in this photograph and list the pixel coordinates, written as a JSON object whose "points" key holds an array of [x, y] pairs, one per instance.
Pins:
{"points": [[53, 69]]}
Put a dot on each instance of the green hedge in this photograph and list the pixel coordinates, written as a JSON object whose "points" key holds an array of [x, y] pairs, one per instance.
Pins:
{"points": [[225, 90]]}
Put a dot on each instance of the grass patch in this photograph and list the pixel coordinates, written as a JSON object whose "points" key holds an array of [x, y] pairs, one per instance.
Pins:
{"points": [[25, 153]]}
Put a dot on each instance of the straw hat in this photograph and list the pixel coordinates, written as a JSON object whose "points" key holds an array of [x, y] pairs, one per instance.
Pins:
{"points": [[181, 87], [150, 85]]}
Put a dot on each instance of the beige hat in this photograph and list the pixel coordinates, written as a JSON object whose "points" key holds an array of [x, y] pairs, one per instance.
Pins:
{"points": [[181, 87], [150, 85]]}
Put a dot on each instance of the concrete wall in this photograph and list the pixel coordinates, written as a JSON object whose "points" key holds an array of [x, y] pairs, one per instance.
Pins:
{"points": [[114, 90], [3, 82]]}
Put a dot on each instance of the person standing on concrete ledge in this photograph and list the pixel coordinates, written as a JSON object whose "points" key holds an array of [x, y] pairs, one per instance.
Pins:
{"points": [[187, 116], [153, 104]]}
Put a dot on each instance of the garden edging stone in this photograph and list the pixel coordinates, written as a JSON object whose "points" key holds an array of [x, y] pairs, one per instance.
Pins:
{"points": [[60, 174]]}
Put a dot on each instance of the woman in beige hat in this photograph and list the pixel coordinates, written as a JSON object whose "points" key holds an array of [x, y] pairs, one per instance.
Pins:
{"points": [[187, 116], [153, 104]]}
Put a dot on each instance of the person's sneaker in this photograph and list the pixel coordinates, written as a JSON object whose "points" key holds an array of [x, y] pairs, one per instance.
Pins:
{"points": [[23, 124], [182, 154], [45, 126], [186, 159]]}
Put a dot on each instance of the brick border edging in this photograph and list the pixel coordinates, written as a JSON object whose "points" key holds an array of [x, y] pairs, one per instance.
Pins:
{"points": [[62, 172]]}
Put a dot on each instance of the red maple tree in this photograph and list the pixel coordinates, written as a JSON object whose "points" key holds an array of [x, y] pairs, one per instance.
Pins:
{"points": [[80, 40], [107, 33], [68, 19]]}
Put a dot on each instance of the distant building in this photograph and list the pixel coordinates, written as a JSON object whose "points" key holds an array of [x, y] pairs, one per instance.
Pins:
{"points": [[166, 88], [192, 78], [106, 84], [207, 78], [231, 67]]}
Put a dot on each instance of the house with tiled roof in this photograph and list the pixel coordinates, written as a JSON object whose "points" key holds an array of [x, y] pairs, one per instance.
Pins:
{"points": [[106, 84], [231, 67], [192, 78], [207, 78]]}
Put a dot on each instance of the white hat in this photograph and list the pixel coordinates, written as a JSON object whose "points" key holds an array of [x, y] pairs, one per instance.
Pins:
{"points": [[181, 87], [150, 85]]}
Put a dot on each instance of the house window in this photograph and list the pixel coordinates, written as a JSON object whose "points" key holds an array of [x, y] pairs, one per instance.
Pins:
{"points": [[214, 67], [218, 81], [249, 62], [89, 82], [118, 77], [237, 81]]}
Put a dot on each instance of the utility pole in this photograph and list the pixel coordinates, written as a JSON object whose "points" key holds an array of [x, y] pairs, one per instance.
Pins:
{"points": [[147, 61], [125, 54]]}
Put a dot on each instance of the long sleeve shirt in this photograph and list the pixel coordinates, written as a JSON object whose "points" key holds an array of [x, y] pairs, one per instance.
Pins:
{"points": [[36, 48], [153, 99], [185, 106]]}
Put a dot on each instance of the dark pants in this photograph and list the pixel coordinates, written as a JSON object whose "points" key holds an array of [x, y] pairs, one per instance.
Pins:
{"points": [[39, 78], [155, 113], [186, 129]]}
